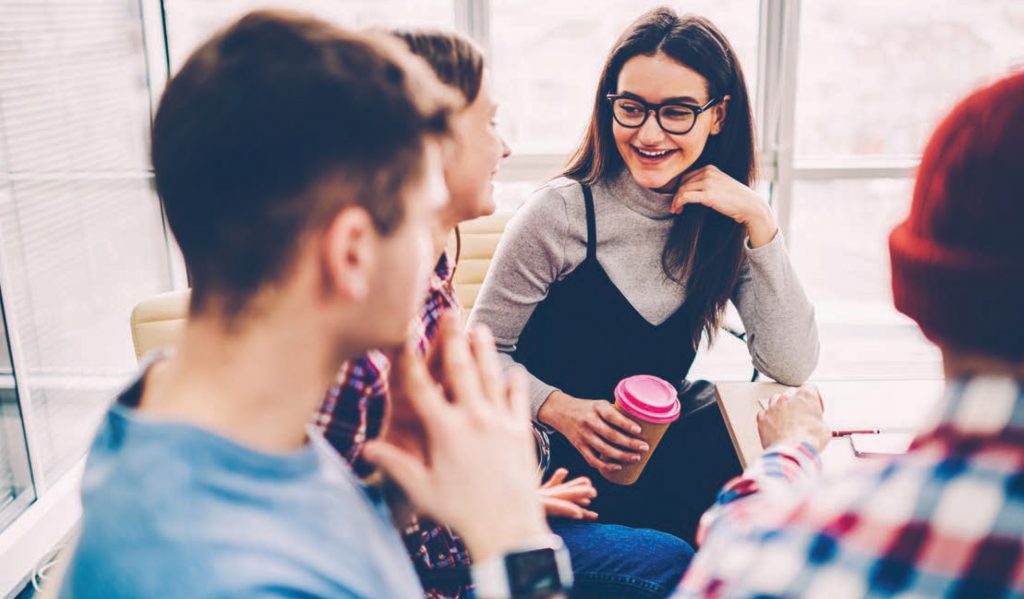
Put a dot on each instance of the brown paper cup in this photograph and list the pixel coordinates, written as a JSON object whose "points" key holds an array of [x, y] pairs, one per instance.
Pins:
{"points": [[652, 434]]}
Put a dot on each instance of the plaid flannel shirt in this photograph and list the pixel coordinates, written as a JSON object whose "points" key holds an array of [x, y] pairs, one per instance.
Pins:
{"points": [[353, 411], [947, 519]]}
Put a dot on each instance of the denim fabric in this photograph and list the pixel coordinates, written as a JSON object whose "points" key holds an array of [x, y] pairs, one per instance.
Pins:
{"points": [[612, 561]]}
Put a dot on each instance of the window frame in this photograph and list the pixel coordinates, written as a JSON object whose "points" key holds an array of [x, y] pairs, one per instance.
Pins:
{"points": [[51, 512]]}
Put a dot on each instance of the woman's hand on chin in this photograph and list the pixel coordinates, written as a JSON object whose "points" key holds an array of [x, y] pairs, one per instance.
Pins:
{"points": [[720, 192]]}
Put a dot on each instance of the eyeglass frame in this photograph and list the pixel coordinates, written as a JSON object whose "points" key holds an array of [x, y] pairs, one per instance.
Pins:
{"points": [[648, 107]]}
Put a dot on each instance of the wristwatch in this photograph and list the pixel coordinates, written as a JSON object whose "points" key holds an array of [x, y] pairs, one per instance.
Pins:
{"points": [[534, 570]]}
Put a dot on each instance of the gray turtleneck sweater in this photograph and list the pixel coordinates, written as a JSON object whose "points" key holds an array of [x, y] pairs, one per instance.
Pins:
{"points": [[547, 239]]}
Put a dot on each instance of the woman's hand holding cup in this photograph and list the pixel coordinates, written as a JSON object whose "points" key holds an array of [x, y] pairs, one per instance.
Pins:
{"points": [[605, 437]]}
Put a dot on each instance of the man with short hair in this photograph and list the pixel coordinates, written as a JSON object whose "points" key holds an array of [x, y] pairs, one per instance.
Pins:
{"points": [[299, 167]]}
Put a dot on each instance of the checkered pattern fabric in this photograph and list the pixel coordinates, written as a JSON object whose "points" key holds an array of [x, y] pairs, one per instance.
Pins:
{"points": [[947, 519]]}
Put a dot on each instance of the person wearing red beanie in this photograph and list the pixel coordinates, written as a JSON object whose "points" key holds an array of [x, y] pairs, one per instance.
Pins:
{"points": [[946, 519], [958, 259]]}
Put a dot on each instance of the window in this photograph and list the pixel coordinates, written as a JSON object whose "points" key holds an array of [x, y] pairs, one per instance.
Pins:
{"points": [[846, 92], [865, 83], [839, 246], [547, 57], [190, 22], [81, 233], [82, 239], [872, 80], [875, 76], [16, 489]]}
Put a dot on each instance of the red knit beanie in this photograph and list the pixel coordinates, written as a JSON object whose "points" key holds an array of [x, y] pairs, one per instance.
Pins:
{"points": [[958, 259]]}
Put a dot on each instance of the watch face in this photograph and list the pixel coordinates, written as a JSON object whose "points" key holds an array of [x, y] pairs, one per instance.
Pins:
{"points": [[533, 573]]}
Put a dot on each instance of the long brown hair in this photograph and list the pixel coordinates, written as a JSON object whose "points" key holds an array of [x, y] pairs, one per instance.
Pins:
{"points": [[704, 250], [457, 62]]}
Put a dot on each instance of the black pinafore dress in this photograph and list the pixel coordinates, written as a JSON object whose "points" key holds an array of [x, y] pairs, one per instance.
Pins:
{"points": [[583, 338]]}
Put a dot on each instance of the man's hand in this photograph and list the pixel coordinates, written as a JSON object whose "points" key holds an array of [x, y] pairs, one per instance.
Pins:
{"points": [[464, 453], [795, 415]]}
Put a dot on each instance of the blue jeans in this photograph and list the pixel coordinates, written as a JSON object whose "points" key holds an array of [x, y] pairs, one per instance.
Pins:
{"points": [[612, 561]]}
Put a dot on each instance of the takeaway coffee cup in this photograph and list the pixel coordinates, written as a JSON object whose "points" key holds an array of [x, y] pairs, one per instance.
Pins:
{"points": [[651, 402]]}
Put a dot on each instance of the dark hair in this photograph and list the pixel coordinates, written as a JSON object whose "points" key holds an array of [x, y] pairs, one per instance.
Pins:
{"points": [[455, 59], [457, 62], [704, 248], [273, 126]]}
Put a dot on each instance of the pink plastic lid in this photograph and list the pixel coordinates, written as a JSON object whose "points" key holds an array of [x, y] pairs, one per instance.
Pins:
{"points": [[648, 398]]}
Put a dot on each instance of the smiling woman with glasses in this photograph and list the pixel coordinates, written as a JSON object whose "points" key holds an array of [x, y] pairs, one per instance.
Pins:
{"points": [[620, 266]]}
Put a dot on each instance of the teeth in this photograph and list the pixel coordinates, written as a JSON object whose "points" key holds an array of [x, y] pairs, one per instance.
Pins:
{"points": [[652, 154]]}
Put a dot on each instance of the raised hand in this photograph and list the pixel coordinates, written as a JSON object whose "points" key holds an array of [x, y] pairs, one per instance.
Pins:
{"points": [[466, 459], [711, 187]]}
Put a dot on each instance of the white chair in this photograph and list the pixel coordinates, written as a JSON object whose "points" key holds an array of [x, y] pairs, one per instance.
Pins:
{"points": [[479, 239], [158, 321]]}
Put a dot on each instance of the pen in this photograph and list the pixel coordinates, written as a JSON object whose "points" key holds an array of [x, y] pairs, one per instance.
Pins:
{"points": [[847, 433]]}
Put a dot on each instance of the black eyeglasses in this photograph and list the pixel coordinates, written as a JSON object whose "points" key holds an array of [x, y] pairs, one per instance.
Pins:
{"points": [[676, 118]]}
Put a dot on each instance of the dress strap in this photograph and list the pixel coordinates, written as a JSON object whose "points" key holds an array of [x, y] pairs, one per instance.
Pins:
{"points": [[588, 198]]}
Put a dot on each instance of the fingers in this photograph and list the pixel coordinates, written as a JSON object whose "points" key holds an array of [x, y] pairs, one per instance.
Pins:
{"points": [[579, 489], [481, 345], [607, 427], [582, 481], [557, 478], [518, 391], [794, 415], [614, 417], [401, 467], [458, 368], [577, 495], [699, 174], [594, 460], [558, 508], [697, 181], [555, 508], [817, 393], [811, 398], [609, 452], [690, 196], [412, 383], [608, 434], [807, 396], [472, 372]]}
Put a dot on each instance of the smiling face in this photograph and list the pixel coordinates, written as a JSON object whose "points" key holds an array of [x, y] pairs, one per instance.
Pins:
{"points": [[473, 160], [656, 158]]}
